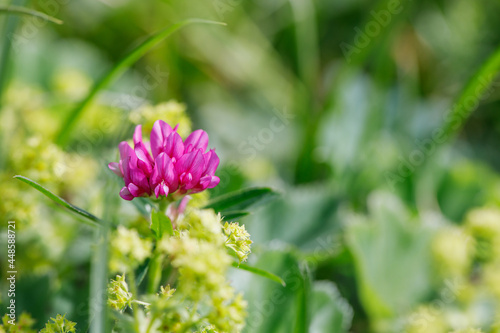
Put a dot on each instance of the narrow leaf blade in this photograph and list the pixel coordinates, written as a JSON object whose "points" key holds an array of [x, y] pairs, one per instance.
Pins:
{"points": [[260, 272], [242, 199], [18, 10], [118, 70], [234, 215], [88, 216]]}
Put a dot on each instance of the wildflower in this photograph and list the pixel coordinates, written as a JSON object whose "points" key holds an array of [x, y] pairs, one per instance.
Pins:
{"points": [[118, 295], [59, 325], [172, 112], [453, 250], [24, 324], [238, 240], [166, 164], [426, 319], [484, 225], [128, 250]]}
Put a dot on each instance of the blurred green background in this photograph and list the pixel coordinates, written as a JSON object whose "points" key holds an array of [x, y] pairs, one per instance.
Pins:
{"points": [[358, 112]]}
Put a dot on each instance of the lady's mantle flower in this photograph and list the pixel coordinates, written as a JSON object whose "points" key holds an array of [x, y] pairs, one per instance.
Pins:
{"points": [[59, 325], [238, 240], [166, 164], [118, 295]]}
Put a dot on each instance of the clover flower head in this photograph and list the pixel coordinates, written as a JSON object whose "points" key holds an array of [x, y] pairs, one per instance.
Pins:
{"points": [[59, 325], [118, 295], [167, 164], [238, 240]]}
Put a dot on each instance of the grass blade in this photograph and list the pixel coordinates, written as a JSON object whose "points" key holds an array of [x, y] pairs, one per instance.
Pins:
{"points": [[118, 70], [89, 217], [473, 93], [18, 10], [260, 272], [241, 199]]}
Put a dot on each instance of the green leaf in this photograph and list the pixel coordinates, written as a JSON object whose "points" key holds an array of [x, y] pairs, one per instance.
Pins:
{"points": [[160, 224], [260, 272], [473, 93], [233, 215], [389, 236], [91, 219], [26, 11], [118, 70], [330, 312], [242, 199]]}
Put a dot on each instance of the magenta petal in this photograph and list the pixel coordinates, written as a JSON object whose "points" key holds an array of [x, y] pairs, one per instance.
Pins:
{"points": [[125, 150], [138, 134], [196, 140], [161, 130], [164, 170], [174, 146], [157, 190], [211, 162], [134, 190], [145, 162], [125, 194], [115, 167], [214, 181]]}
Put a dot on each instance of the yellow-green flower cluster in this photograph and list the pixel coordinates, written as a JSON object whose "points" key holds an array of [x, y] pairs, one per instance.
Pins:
{"points": [[453, 250], [127, 250], [238, 240], [59, 325], [71, 83], [118, 295], [44, 162], [198, 253], [172, 112], [23, 324], [202, 265], [484, 225], [427, 319]]}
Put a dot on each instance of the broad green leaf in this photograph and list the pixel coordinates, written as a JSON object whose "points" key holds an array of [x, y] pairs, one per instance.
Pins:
{"points": [[260, 272], [388, 237], [18, 10], [234, 215], [240, 200], [160, 224], [118, 70], [93, 220], [329, 311]]}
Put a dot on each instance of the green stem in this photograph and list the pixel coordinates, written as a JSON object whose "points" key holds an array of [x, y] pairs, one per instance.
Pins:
{"points": [[155, 270], [135, 308]]}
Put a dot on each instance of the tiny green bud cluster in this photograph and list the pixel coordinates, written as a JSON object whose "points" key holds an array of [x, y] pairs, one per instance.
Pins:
{"points": [[59, 325], [128, 250], [238, 240], [118, 295]]}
